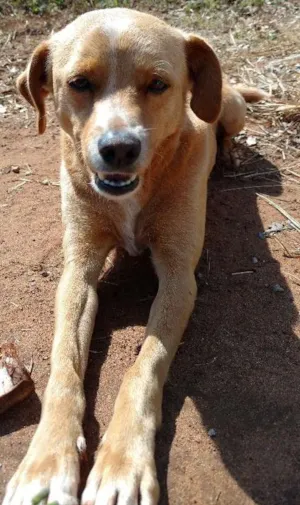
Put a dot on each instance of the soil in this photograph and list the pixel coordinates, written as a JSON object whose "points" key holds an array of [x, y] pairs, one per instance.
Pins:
{"points": [[231, 429]]}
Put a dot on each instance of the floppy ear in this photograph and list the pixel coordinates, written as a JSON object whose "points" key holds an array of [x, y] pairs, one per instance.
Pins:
{"points": [[205, 72], [32, 83]]}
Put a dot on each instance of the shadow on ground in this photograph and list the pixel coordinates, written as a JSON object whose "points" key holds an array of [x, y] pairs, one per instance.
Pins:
{"points": [[12, 421], [240, 359]]}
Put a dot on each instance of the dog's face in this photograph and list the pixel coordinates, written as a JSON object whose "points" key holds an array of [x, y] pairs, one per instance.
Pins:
{"points": [[119, 81]]}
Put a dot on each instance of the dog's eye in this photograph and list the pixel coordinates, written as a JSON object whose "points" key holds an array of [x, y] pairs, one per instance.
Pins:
{"points": [[157, 86], [80, 84]]}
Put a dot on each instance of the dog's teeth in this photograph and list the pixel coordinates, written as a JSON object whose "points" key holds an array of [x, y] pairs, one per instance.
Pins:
{"points": [[119, 184]]}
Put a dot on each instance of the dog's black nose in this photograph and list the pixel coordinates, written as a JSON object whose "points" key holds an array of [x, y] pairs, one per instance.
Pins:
{"points": [[119, 149]]}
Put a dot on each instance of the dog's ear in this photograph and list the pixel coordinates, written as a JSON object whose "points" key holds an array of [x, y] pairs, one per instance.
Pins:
{"points": [[33, 82], [205, 73]]}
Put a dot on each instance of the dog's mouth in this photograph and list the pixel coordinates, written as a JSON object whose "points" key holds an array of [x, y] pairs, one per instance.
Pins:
{"points": [[117, 184]]}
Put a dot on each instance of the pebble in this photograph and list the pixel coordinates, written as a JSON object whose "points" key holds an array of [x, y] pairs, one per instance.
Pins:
{"points": [[254, 260], [276, 288], [212, 433], [251, 141]]}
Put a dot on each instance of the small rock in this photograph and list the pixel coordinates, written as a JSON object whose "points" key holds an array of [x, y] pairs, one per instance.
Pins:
{"points": [[251, 141], [212, 433], [6, 170], [45, 182], [15, 169], [44, 273], [199, 275], [275, 228], [254, 260], [276, 288]]}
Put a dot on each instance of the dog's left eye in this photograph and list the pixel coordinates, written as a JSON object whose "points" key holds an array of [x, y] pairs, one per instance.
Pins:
{"points": [[157, 86], [80, 84]]}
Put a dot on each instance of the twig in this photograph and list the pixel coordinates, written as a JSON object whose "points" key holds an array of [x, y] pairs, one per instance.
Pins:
{"points": [[259, 174], [30, 367], [287, 252], [208, 262], [294, 222], [25, 180], [217, 500], [108, 282], [297, 279], [281, 60], [250, 187], [291, 172], [15, 305], [243, 272], [16, 187]]}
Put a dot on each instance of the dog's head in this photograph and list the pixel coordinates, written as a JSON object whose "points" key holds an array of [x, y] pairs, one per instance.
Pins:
{"points": [[120, 81]]}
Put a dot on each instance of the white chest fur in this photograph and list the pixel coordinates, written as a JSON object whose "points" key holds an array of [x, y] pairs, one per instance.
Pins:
{"points": [[131, 209]]}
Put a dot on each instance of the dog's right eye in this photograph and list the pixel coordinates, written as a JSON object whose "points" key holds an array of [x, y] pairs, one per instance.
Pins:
{"points": [[80, 84]]}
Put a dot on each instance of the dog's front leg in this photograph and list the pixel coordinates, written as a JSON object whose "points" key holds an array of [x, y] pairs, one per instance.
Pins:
{"points": [[124, 472], [52, 461]]}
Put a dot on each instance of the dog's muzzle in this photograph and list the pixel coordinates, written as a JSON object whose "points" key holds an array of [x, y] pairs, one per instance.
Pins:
{"points": [[119, 150]]}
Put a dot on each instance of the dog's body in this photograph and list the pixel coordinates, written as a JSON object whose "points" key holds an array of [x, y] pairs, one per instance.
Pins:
{"points": [[139, 104]]}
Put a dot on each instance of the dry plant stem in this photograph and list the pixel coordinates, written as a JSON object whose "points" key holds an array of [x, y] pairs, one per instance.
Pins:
{"points": [[280, 209]]}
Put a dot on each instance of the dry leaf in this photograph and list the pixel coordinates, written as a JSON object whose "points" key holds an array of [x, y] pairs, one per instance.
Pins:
{"points": [[15, 381]]}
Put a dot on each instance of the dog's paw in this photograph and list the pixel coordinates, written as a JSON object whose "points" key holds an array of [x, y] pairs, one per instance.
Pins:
{"points": [[122, 476], [49, 471]]}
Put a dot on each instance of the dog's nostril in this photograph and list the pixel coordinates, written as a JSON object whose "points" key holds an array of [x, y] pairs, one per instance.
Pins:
{"points": [[132, 152], [119, 149], [108, 154]]}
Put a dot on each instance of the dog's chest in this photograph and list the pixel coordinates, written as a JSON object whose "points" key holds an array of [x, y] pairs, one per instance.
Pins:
{"points": [[130, 211]]}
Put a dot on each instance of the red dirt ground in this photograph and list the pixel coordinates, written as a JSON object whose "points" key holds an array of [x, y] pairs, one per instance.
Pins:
{"points": [[238, 369]]}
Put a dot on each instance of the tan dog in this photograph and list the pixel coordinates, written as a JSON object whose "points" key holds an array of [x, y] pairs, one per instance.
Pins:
{"points": [[139, 103]]}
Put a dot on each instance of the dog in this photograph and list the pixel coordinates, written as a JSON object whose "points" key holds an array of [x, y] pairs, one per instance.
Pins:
{"points": [[140, 105]]}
